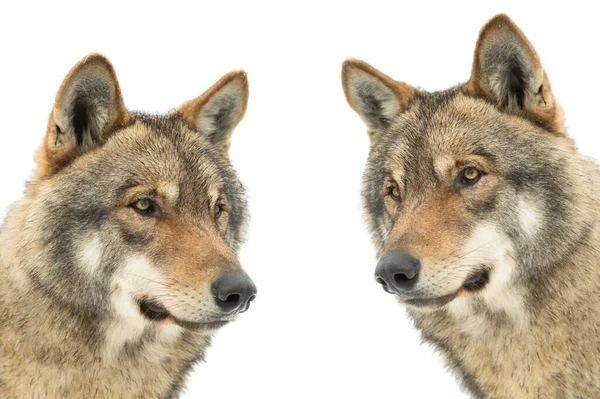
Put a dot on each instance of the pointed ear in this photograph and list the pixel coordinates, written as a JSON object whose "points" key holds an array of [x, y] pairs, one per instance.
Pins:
{"points": [[87, 109], [218, 111], [507, 71], [376, 98]]}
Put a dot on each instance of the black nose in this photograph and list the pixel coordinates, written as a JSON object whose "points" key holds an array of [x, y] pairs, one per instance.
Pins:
{"points": [[397, 272], [233, 292]]}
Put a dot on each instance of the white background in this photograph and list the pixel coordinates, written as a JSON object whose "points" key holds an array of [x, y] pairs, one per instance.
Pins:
{"points": [[320, 327]]}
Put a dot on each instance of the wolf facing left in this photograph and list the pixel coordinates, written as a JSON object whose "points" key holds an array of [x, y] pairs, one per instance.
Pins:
{"points": [[120, 261], [486, 220]]}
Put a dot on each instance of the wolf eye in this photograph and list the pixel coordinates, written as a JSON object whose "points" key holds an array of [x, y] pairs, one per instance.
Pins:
{"points": [[146, 207], [468, 177], [471, 173], [219, 209], [394, 193]]}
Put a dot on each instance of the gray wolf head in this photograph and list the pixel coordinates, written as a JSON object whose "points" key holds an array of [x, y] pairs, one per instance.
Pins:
{"points": [[140, 216], [472, 190]]}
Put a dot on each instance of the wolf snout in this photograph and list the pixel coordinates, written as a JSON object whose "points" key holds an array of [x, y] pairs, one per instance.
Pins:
{"points": [[233, 292], [398, 272]]}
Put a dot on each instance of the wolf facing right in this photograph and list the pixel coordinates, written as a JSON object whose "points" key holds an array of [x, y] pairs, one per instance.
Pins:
{"points": [[486, 221], [120, 262]]}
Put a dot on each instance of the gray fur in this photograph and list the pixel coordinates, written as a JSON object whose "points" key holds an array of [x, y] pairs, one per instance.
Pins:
{"points": [[536, 334], [58, 315]]}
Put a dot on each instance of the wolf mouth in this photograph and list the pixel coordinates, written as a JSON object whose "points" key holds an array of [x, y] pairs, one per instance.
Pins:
{"points": [[474, 283], [153, 311]]}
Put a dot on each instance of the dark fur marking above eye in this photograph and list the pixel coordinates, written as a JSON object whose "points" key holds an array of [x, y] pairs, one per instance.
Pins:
{"points": [[488, 156], [127, 185]]}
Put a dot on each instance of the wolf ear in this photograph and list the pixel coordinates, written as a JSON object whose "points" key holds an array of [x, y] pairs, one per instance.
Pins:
{"points": [[87, 109], [376, 98], [507, 71], [218, 111]]}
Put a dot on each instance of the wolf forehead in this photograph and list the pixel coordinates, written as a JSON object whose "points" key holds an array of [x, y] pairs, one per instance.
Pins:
{"points": [[178, 151], [164, 147], [451, 125], [160, 153]]}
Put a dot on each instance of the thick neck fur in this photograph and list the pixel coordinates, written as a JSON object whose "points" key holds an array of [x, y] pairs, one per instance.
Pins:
{"points": [[541, 338], [48, 349]]}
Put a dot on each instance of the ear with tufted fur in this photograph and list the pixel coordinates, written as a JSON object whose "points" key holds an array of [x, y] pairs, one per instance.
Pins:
{"points": [[507, 71], [217, 112], [376, 98], [87, 109]]}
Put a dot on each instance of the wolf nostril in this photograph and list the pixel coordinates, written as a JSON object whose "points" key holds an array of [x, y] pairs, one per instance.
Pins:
{"points": [[402, 278], [233, 299]]}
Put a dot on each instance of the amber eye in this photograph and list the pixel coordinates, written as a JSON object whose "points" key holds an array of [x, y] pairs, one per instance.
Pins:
{"points": [[471, 173], [146, 207], [394, 193], [468, 177], [143, 205]]}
